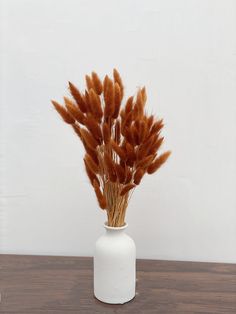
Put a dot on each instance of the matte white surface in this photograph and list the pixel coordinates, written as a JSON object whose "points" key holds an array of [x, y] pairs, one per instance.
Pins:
{"points": [[185, 54], [114, 266]]}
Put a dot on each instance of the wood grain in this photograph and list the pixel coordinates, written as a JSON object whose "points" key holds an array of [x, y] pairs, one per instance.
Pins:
{"points": [[56, 285]]}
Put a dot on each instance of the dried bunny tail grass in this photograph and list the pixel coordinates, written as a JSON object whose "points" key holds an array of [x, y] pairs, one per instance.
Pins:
{"points": [[139, 106], [109, 99], [77, 130], [89, 139], [91, 164], [131, 156], [87, 101], [119, 150], [117, 79], [94, 128], [89, 82], [120, 172], [135, 135], [144, 95], [129, 104], [96, 106], [127, 188], [136, 112], [78, 97], [105, 83], [63, 113], [142, 132], [159, 161], [121, 144], [110, 167], [92, 153], [91, 175], [97, 83], [122, 114], [138, 175], [128, 119], [128, 175], [140, 101], [126, 122], [156, 145], [100, 197], [145, 118], [157, 126], [150, 121], [106, 133], [129, 135], [145, 162], [117, 131], [143, 149], [74, 111], [117, 100]]}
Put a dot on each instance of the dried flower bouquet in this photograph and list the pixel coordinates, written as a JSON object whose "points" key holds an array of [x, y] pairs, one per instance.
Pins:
{"points": [[121, 144]]}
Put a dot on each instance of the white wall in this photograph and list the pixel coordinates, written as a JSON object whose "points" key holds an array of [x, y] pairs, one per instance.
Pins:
{"points": [[185, 53]]}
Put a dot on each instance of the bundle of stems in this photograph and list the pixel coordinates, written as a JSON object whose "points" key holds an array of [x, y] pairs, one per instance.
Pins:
{"points": [[121, 143]]}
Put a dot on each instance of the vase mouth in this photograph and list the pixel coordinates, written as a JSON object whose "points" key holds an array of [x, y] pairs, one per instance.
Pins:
{"points": [[115, 228]]}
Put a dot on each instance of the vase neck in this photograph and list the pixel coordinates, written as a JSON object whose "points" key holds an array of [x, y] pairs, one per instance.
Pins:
{"points": [[115, 230]]}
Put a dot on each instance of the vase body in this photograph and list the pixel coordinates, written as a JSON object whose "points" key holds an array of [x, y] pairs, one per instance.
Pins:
{"points": [[115, 266]]}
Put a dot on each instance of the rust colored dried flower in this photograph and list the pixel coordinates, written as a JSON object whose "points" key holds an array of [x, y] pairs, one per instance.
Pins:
{"points": [[94, 127], [138, 175], [89, 82], [109, 99], [91, 175], [127, 188], [106, 133], [97, 83], [89, 139], [129, 105], [78, 97], [117, 132], [121, 142], [91, 164], [77, 130], [118, 80], [63, 113], [117, 100], [110, 166], [120, 172], [74, 111], [100, 197], [158, 162], [95, 104], [119, 150]]}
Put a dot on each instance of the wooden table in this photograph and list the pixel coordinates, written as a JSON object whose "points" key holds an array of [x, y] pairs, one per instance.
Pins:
{"points": [[56, 285]]}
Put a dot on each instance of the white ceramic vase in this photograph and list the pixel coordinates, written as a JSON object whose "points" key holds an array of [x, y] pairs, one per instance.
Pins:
{"points": [[115, 266]]}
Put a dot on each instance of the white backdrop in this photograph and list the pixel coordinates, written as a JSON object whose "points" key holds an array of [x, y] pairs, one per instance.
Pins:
{"points": [[185, 53]]}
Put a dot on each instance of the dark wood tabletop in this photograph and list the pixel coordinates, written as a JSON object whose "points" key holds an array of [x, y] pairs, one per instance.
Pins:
{"points": [[56, 285]]}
